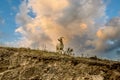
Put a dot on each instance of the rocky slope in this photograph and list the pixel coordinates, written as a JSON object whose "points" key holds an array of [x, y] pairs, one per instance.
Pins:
{"points": [[27, 64]]}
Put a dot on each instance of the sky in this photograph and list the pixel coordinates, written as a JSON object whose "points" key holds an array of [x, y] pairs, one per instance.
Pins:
{"points": [[91, 27]]}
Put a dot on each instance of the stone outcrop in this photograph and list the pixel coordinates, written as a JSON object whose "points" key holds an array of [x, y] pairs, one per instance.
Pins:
{"points": [[27, 64]]}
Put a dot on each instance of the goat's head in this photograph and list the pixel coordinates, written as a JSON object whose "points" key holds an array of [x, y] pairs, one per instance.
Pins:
{"points": [[60, 39]]}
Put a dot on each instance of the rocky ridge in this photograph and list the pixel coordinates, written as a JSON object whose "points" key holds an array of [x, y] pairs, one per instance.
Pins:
{"points": [[28, 64]]}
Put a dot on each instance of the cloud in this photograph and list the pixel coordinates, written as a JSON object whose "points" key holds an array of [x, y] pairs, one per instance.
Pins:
{"points": [[76, 20], [109, 36], [22, 17]]}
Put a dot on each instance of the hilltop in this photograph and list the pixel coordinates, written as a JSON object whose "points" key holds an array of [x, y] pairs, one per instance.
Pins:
{"points": [[30, 64]]}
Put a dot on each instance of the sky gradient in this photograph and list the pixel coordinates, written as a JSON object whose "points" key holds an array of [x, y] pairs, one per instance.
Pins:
{"points": [[88, 26]]}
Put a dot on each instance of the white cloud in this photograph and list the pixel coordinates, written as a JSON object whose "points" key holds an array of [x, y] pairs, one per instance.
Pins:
{"points": [[76, 20]]}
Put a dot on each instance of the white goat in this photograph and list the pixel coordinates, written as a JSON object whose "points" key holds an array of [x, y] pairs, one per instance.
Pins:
{"points": [[60, 46]]}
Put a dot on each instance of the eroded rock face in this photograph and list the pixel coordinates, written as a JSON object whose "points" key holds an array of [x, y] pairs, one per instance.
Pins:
{"points": [[24, 64]]}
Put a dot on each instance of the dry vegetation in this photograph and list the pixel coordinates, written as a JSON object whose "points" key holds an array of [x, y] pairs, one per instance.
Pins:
{"points": [[28, 64]]}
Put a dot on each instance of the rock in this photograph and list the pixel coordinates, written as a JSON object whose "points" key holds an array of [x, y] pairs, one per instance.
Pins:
{"points": [[28, 64]]}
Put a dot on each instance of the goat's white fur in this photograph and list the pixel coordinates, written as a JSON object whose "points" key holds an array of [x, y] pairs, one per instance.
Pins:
{"points": [[60, 45]]}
